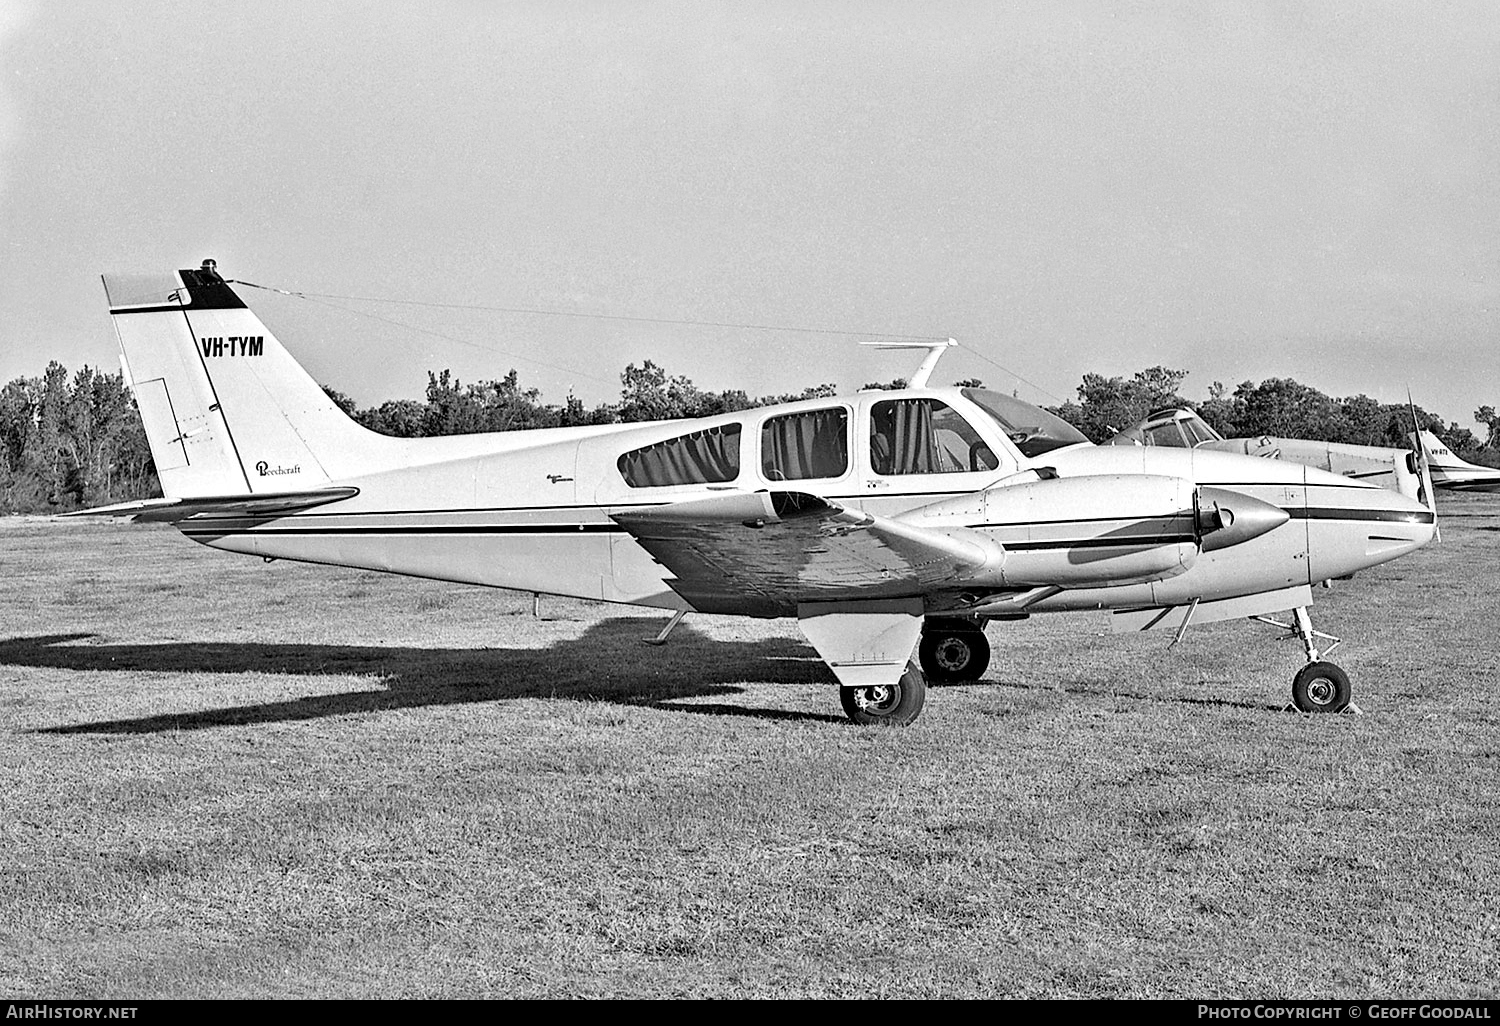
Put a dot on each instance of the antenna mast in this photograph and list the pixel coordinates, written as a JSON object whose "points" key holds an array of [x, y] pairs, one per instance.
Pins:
{"points": [[934, 354]]}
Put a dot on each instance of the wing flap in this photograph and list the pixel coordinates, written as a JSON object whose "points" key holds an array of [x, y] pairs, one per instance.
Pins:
{"points": [[771, 550], [171, 511]]}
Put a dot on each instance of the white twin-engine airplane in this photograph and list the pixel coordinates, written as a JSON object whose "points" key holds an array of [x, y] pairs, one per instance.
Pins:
{"points": [[885, 522]]}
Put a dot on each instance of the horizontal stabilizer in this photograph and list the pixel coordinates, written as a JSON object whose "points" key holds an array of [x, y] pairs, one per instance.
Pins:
{"points": [[170, 511]]}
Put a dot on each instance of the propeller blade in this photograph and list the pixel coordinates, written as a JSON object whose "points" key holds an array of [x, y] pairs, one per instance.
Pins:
{"points": [[1424, 466]]}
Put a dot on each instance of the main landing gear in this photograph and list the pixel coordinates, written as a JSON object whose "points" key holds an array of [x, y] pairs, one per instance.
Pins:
{"points": [[953, 651], [1320, 686], [887, 705]]}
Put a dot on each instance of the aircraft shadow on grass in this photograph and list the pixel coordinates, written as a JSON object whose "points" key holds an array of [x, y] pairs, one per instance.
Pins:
{"points": [[608, 663]]}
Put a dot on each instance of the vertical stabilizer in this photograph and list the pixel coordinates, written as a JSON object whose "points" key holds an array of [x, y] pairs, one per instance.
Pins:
{"points": [[226, 409], [1441, 457]]}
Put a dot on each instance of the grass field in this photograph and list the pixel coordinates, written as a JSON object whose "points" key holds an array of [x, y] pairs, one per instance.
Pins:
{"points": [[222, 778]]}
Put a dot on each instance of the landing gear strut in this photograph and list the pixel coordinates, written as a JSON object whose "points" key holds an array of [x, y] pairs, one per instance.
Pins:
{"points": [[953, 651], [1320, 686]]}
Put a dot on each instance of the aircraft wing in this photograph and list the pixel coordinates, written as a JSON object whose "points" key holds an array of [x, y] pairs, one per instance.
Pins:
{"points": [[789, 547], [170, 511]]}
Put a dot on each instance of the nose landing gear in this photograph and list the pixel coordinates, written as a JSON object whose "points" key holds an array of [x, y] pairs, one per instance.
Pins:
{"points": [[1320, 686]]}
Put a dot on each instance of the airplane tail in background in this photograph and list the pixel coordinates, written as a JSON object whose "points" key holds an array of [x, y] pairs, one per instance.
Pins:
{"points": [[1449, 471], [1441, 456], [226, 409], [1436, 452]]}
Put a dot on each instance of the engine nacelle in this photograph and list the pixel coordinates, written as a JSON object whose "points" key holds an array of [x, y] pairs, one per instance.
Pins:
{"points": [[1101, 530]]}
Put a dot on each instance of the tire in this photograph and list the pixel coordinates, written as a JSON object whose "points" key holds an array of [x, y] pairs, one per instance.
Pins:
{"points": [[887, 705], [1321, 688], [951, 656]]}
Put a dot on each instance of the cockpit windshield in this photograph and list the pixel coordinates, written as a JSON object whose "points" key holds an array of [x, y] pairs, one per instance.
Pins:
{"points": [[1198, 431], [1033, 430], [1181, 429]]}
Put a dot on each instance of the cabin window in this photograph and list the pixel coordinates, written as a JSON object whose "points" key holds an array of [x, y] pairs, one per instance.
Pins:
{"points": [[799, 446], [703, 457], [924, 436]]}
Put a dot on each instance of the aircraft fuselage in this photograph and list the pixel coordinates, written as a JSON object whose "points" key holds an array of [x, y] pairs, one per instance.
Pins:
{"points": [[538, 517]]}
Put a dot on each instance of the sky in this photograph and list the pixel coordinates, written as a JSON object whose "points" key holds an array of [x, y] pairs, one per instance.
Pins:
{"points": [[1242, 190]]}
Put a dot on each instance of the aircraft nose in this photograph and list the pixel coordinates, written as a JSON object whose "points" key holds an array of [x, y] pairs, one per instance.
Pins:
{"points": [[1227, 517], [1401, 524], [1350, 530]]}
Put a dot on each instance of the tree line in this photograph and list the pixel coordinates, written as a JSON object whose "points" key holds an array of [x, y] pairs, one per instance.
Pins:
{"points": [[70, 441], [75, 441], [1277, 406]]}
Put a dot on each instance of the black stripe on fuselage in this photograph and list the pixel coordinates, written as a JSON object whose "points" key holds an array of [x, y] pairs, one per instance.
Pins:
{"points": [[204, 528], [1296, 512], [1388, 516], [556, 530], [1101, 543], [571, 506], [477, 509], [348, 532], [1351, 483], [1165, 518]]}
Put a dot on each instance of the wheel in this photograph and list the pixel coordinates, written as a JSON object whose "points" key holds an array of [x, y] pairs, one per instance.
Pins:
{"points": [[950, 655], [887, 705], [1321, 688]]}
